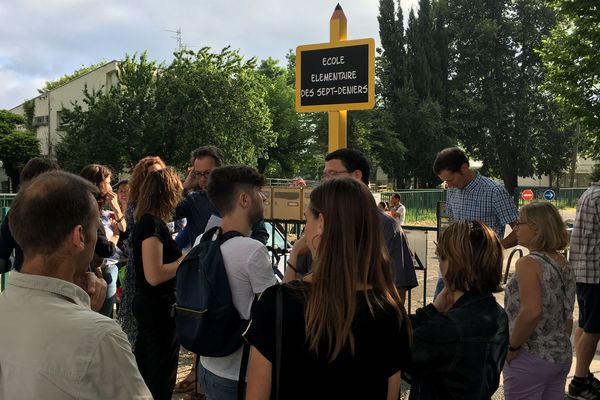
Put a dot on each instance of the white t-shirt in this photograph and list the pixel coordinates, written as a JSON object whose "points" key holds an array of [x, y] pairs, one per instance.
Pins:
{"points": [[401, 211], [249, 272]]}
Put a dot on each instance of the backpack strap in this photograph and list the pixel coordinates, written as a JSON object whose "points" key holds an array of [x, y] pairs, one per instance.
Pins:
{"points": [[228, 235], [241, 389], [278, 338], [221, 237]]}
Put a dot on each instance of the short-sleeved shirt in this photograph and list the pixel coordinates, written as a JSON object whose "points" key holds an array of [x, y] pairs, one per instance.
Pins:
{"points": [[549, 339], [381, 349], [249, 272], [585, 237], [482, 200], [147, 227]]}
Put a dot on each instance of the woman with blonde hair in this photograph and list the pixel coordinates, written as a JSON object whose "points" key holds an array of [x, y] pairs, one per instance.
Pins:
{"points": [[460, 341], [539, 301], [344, 328], [156, 258], [145, 166]]}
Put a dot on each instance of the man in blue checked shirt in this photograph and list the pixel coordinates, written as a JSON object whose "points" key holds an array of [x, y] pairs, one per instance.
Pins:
{"points": [[472, 196]]}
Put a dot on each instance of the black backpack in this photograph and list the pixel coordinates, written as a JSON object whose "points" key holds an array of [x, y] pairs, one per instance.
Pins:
{"points": [[206, 319]]}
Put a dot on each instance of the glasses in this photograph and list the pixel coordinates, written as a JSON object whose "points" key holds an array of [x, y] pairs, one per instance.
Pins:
{"points": [[331, 174], [204, 174]]}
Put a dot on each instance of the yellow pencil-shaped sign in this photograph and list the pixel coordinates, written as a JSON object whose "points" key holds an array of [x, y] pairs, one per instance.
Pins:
{"points": [[335, 76]]}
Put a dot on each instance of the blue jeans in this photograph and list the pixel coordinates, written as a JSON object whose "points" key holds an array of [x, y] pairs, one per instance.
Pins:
{"points": [[110, 274], [216, 387]]}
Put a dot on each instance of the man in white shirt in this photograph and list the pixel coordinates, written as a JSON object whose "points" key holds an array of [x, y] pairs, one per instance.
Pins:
{"points": [[53, 345], [397, 209], [235, 192]]}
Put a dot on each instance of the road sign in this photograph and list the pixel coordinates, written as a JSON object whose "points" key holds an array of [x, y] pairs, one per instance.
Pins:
{"points": [[527, 194], [549, 194], [335, 76]]}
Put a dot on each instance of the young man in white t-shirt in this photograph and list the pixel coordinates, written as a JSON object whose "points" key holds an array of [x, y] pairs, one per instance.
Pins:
{"points": [[397, 209], [235, 192]]}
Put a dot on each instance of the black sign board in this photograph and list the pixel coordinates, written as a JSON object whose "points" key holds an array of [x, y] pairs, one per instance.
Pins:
{"points": [[335, 76]]}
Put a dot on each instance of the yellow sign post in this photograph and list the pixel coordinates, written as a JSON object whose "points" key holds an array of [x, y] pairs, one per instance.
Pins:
{"points": [[336, 77], [338, 120]]}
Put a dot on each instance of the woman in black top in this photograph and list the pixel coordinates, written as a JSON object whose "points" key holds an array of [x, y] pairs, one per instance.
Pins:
{"points": [[461, 339], [156, 258], [345, 331]]}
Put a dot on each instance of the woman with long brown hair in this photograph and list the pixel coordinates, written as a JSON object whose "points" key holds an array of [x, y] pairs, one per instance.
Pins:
{"points": [[345, 331], [145, 166], [156, 259]]}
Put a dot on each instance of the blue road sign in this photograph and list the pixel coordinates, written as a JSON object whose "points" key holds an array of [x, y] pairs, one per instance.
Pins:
{"points": [[549, 194]]}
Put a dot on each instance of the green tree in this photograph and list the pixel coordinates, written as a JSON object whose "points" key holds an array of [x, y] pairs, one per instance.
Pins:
{"points": [[570, 54], [199, 98], [16, 146], [285, 158], [498, 111], [412, 74]]}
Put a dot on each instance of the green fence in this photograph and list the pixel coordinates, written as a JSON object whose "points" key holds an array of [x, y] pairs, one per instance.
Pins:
{"points": [[420, 204], [3, 211], [565, 197], [6, 200]]}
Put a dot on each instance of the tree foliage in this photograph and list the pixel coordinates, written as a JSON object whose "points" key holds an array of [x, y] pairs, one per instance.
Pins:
{"points": [[200, 98], [572, 58], [498, 110], [16, 146], [412, 74]]}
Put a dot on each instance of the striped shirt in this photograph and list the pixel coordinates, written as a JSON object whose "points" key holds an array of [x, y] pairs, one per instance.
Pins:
{"points": [[585, 238], [482, 200]]}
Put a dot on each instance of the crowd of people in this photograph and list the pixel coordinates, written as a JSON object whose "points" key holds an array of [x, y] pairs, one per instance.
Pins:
{"points": [[335, 327]]}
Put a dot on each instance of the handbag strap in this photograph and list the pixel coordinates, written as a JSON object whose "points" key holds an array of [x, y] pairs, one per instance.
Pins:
{"points": [[558, 272], [278, 338]]}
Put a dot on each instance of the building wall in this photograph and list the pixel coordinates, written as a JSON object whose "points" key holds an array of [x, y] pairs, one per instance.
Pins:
{"points": [[48, 105], [582, 176]]}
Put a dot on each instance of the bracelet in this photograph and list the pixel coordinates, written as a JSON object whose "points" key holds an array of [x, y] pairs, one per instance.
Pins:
{"points": [[289, 264], [121, 219], [510, 348]]}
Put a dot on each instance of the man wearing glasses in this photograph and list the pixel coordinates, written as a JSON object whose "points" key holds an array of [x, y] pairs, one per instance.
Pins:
{"points": [[196, 206], [352, 163]]}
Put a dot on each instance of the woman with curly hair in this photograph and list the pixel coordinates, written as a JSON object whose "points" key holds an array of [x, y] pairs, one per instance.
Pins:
{"points": [[156, 259], [145, 166]]}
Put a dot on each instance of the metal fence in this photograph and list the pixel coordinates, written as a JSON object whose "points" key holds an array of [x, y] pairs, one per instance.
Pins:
{"points": [[420, 204], [6, 200]]}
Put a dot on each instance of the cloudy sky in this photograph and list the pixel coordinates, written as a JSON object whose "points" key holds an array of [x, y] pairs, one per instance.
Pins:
{"points": [[45, 39]]}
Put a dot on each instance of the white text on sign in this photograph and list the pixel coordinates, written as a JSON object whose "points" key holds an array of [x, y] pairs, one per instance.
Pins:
{"points": [[333, 60], [335, 90]]}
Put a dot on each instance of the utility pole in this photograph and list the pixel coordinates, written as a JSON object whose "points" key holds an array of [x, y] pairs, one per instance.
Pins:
{"points": [[180, 45]]}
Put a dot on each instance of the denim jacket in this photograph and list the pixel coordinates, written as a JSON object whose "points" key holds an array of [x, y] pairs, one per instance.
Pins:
{"points": [[458, 354]]}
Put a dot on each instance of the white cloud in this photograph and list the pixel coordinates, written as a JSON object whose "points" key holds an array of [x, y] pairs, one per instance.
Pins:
{"points": [[45, 39]]}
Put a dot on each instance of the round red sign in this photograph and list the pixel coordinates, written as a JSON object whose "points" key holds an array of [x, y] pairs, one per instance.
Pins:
{"points": [[527, 194]]}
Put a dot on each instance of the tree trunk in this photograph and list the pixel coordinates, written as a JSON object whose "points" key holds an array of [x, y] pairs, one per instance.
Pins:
{"points": [[510, 181], [14, 176]]}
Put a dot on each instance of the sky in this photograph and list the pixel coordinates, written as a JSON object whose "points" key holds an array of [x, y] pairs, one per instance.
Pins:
{"points": [[41, 40]]}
